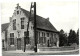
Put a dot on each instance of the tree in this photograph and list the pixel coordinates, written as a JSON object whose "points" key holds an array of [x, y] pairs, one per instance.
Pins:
{"points": [[77, 37], [62, 38], [72, 37]]}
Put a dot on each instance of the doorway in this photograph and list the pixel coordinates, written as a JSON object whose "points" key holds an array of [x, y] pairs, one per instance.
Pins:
{"points": [[19, 43]]}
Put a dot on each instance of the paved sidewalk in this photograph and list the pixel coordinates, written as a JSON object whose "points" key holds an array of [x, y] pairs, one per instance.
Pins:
{"points": [[20, 51], [58, 51]]}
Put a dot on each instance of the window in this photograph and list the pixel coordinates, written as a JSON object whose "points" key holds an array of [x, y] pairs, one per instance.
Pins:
{"points": [[14, 24], [39, 34], [17, 12], [47, 34], [22, 23], [51, 34], [27, 37], [2, 43], [39, 38], [31, 27], [44, 39], [55, 35], [20, 12], [11, 38], [27, 40], [42, 34], [51, 40], [26, 34]]}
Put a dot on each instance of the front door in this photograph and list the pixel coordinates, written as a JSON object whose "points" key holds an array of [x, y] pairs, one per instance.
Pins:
{"points": [[19, 43]]}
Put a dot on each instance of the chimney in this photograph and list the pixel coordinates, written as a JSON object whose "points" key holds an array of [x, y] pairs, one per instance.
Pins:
{"points": [[48, 18]]}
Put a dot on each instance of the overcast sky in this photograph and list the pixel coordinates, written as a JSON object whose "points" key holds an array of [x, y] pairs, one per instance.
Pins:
{"points": [[62, 14]]}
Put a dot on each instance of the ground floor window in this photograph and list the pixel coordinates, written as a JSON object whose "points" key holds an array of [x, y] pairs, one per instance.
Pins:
{"points": [[51, 40], [26, 35], [42, 40], [11, 41], [2, 43], [11, 38], [27, 40]]}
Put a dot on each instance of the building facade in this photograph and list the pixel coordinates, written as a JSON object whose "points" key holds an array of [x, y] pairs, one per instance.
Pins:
{"points": [[14, 32]]}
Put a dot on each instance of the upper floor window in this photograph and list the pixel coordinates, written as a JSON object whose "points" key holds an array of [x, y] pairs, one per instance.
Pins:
{"points": [[22, 23], [20, 12], [17, 12], [14, 24], [11, 38]]}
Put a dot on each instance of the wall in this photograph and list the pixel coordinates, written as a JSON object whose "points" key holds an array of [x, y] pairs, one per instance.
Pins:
{"points": [[18, 29], [21, 32], [55, 38], [3, 38]]}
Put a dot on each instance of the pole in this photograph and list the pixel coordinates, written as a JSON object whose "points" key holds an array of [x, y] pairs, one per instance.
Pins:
{"points": [[27, 29], [24, 44], [35, 48]]}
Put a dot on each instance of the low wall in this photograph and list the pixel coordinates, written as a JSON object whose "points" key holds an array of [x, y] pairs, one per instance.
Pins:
{"points": [[55, 48]]}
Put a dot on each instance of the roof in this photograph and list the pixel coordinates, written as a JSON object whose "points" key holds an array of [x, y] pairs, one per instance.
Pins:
{"points": [[41, 23], [4, 26]]}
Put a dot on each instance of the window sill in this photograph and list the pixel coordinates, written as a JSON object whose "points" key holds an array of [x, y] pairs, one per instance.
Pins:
{"points": [[12, 45]]}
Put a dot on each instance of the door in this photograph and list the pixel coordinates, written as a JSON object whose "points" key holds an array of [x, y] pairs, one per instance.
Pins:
{"points": [[19, 43]]}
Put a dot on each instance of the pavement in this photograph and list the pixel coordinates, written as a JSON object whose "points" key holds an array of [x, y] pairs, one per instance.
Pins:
{"points": [[30, 51], [19, 51]]}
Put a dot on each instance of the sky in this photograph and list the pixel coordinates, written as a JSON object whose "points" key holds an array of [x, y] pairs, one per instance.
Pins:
{"points": [[62, 14]]}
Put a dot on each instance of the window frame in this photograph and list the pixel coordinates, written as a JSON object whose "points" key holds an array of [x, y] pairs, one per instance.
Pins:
{"points": [[17, 12], [11, 38], [47, 34], [27, 37], [22, 23], [14, 24]]}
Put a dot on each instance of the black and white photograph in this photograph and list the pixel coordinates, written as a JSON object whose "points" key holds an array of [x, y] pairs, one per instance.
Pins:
{"points": [[40, 28]]}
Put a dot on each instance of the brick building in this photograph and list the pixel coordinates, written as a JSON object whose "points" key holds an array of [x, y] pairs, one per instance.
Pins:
{"points": [[13, 33]]}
